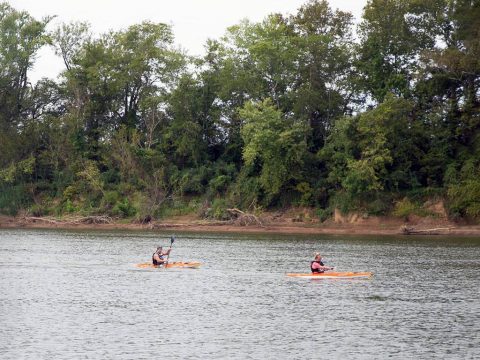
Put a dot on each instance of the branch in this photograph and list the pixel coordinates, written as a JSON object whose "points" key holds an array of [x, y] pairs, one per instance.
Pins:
{"points": [[244, 219]]}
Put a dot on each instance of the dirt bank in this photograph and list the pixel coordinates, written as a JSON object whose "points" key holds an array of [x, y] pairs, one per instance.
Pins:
{"points": [[277, 225]]}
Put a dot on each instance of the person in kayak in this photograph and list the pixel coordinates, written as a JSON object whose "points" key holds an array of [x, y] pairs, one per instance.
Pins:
{"points": [[158, 257], [317, 266]]}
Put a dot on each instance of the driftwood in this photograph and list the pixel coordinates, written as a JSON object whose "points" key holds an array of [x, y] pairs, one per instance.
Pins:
{"points": [[435, 231], [30, 219], [101, 219], [243, 218]]}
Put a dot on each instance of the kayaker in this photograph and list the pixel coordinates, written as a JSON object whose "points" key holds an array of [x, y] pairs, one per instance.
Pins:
{"points": [[317, 266], [158, 256]]}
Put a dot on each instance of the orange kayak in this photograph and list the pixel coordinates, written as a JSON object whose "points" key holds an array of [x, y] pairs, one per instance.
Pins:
{"points": [[176, 264], [333, 275]]}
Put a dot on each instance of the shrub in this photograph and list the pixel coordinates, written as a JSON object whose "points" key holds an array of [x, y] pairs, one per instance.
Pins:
{"points": [[306, 190], [69, 207], [324, 214], [219, 210], [344, 202], [247, 191], [464, 198], [109, 200], [178, 207], [219, 184], [111, 177], [37, 210], [124, 208], [13, 199], [190, 181], [379, 206], [406, 207], [70, 192]]}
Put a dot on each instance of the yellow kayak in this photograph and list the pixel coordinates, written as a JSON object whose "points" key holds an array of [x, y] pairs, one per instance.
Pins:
{"points": [[176, 264], [332, 275]]}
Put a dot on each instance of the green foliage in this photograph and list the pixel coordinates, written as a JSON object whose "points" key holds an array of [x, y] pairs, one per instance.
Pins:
{"points": [[17, 170], [109, 200], [124, 208], [8, 175], [278, 144], [324, 214], [379, 205], [38, 210], [306, 190], [217, 210], [247, 191], [222, 178], [219, 184], [393, 34], [325, 50], [405, 207], [269, 46], [464, 195], [285, 111], [70, 192], [179, 207], [68, 41], [191, 181], [345, 202], [373, 152], [69, 207], [21, 37], [90, 177], [14, 198]]}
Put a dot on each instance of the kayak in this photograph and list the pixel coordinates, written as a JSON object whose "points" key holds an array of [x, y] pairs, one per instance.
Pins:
{"points": [[333, 275], [179, 264], [176, 264]]}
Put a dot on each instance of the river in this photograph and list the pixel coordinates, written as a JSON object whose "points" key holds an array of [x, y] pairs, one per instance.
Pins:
{"points": [[78, 294]]}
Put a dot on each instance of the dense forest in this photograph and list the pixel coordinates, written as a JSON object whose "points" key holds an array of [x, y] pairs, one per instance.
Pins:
{"points": [[309, 109]]}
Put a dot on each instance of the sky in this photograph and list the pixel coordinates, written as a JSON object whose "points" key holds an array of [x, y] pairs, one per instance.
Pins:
{"points": [[193, 21]]}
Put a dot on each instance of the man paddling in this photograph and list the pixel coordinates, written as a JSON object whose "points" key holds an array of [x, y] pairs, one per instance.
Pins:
{"points": [[158, 257], [317, 266]]}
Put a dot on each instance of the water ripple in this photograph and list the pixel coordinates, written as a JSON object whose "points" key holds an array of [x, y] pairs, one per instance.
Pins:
{"points": [[67, 294]]}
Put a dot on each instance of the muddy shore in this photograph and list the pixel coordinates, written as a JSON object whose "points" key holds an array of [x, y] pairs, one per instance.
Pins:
{"points": [[374, 226]]}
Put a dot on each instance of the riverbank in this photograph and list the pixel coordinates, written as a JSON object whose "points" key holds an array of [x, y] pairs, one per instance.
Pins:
{"points": [[370, 226]]}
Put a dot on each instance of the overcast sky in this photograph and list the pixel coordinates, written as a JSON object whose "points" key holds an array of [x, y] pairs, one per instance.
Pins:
{"points": [[193, 21]]}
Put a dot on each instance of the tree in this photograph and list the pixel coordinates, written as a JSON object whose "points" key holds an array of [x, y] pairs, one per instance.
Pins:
{"points": [[452, 69], [324, 87], [21, 36], [393, 34], [276, 144], [266, 49], [69, 40], [111, 80], [376, 151]]}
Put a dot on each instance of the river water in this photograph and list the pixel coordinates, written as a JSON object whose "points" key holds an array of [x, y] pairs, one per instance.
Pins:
{"points": [[78, 294]]}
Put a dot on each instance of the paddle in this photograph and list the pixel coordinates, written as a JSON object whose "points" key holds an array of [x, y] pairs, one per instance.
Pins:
{"points": [[172, 239]]}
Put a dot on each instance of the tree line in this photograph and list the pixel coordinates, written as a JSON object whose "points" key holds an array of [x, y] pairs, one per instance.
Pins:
{"points": [[308, 109]]}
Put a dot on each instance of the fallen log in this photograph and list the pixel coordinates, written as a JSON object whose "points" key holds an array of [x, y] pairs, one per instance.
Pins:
{"points": [[30, 219], [405, 230], [101, 219], [94, 220]]}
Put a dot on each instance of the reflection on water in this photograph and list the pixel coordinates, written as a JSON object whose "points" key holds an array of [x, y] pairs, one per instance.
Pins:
{"points": [[79, 295]]}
